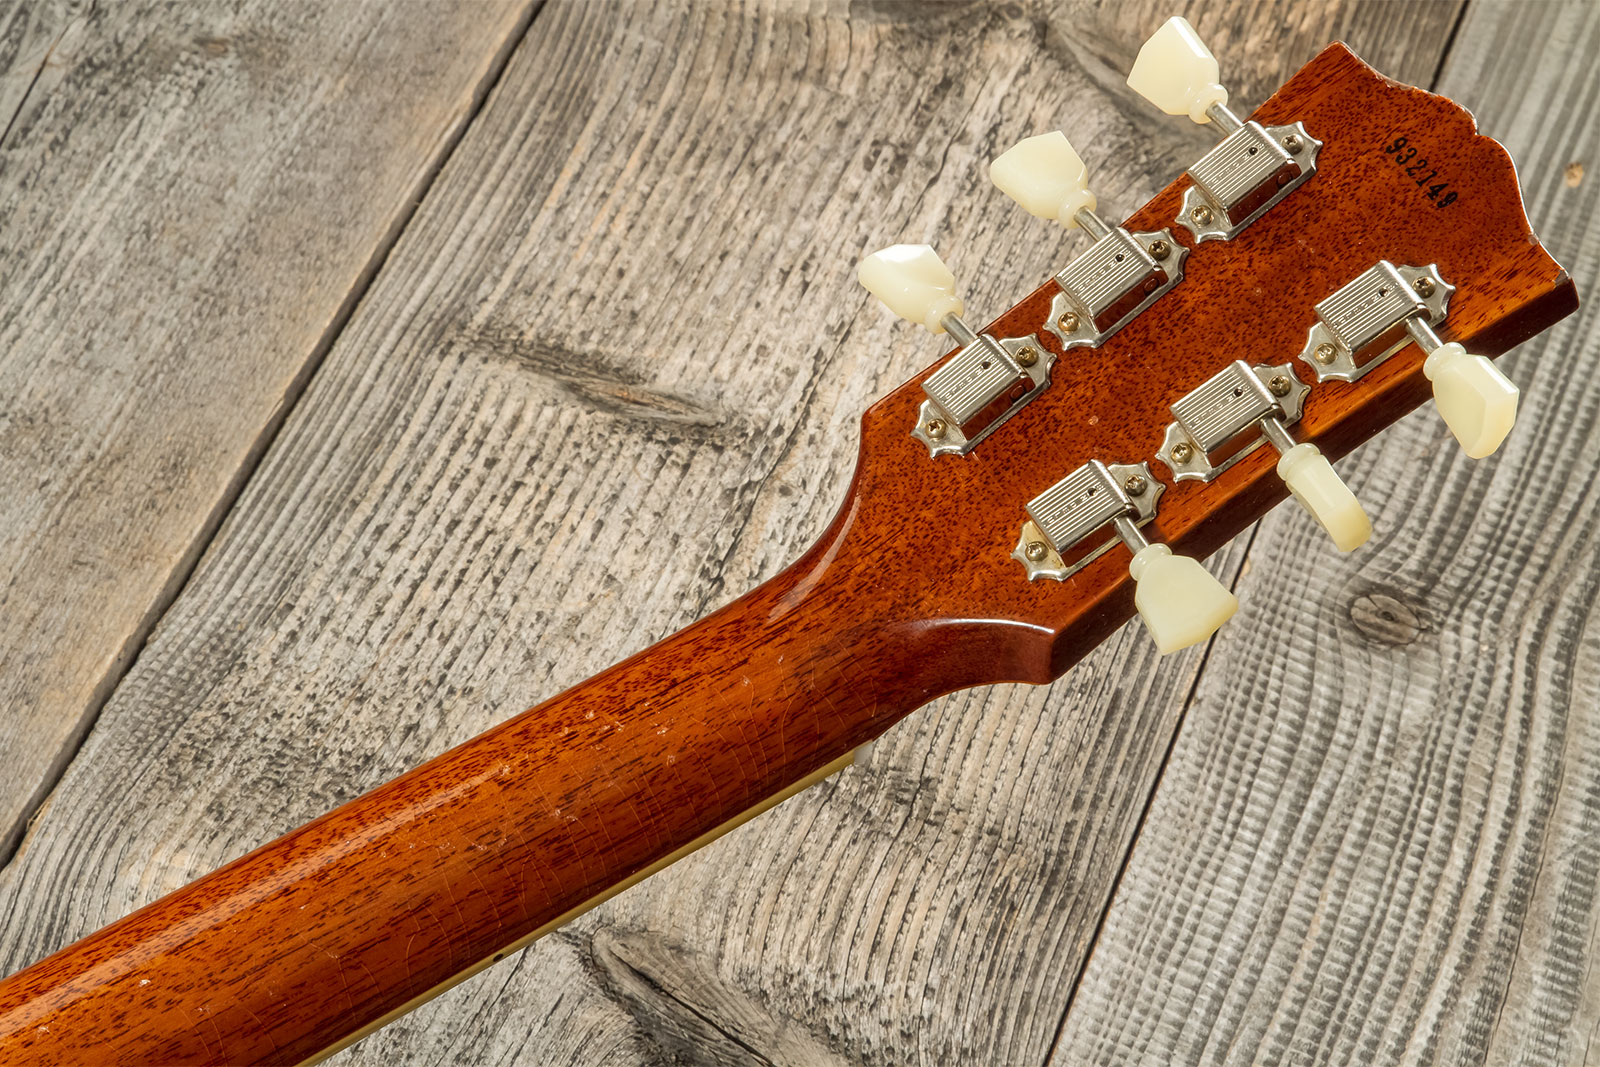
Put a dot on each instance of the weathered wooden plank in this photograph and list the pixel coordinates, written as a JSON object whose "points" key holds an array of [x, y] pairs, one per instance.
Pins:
{"points": [[609, 377], [192, 197], [1375, 840]]}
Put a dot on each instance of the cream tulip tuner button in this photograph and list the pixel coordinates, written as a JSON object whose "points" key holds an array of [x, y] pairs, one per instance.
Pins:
{"points": [[913, 282], [1476, 401], [1312, 481], [1177, 73], [1178, 599], [1046, 176]]}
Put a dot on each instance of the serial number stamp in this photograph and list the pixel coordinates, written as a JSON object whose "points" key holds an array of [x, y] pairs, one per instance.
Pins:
{"points": [[1404, 154]]}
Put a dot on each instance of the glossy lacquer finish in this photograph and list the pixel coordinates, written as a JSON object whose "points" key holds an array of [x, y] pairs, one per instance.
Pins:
{"points": [[911, 593]]}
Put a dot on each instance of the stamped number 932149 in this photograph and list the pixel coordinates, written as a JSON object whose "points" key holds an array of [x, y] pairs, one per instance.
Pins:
{"points": [[1419, 169]]}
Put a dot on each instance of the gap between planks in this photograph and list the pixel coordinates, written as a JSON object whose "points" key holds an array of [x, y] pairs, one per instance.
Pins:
{"points": [[16, 835]]}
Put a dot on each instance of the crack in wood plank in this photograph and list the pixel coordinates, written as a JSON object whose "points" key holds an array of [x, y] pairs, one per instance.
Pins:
{"points": [[70, 21], [185, 547]]}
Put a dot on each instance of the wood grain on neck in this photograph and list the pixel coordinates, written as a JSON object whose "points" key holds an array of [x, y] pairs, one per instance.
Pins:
{"points": [[301, 945]]}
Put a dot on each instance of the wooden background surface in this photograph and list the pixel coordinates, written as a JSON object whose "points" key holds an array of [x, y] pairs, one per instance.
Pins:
{"points": [[369, 372]]}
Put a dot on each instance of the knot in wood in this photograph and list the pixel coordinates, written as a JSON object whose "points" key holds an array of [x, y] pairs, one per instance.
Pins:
{"points": [[1386, 620]]}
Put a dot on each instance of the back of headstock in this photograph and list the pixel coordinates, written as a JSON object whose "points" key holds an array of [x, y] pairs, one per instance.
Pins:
{"points": [[1401, 179]]}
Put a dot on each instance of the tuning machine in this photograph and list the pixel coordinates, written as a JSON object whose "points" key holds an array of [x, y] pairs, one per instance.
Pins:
{"points": [[1037, 551], [1236, 411], [1178, 599], [985, 382], [1251, 168], [1373, 316], [1117, 277]]}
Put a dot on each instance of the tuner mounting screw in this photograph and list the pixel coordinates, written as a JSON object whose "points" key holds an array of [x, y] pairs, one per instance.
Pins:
{"points": [[935, 428], [1035, 550], [1323, 353], [1135, 485], [1279, 385], [1182, 452], [1160, 249], [1202, 215], [1028, 356], [1423, 286], [1068, 322], [1292, 144]]}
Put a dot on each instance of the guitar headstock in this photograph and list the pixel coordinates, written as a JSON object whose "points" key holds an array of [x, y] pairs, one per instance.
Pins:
{"points": [[1346, 252]]}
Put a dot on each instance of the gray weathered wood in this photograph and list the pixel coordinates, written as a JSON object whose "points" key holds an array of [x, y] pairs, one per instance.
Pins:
{"points": [[608, 378], [191, 196], [29, 36], [1376, 839]]}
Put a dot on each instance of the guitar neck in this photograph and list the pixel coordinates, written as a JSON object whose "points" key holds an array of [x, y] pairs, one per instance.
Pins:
{"points": [[314, 939], [924, 584]]}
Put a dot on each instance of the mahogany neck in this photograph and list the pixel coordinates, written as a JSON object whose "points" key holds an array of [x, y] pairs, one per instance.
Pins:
{"points": [[404, 891]]}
